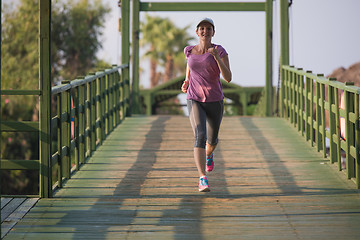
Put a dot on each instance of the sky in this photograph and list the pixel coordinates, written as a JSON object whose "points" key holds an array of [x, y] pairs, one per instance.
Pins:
{"points": [[324, 35]]}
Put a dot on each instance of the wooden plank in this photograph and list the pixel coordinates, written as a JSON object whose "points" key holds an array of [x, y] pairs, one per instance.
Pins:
{"points": [[4, 202], [11, 207], [17, 215]]}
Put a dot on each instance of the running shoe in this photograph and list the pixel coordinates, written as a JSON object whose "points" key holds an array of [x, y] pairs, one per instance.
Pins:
{"points": [[204, 185], [210, 163]]}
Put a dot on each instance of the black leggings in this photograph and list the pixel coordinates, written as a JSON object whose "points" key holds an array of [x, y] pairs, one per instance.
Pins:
{"points": [[205, 119]]}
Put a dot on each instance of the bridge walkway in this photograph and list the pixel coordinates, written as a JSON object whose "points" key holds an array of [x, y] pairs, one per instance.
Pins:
{"points": [[268, 183]]}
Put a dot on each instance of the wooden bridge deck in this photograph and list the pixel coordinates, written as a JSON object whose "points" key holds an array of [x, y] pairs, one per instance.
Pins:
{"points": [[268, 183]]}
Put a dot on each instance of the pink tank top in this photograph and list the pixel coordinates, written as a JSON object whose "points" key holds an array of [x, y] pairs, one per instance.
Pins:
{"points": [[204, 79]]}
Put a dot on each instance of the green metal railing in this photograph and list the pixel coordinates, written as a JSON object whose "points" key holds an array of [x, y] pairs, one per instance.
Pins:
{"points": [[312, 104], [87, 110]]}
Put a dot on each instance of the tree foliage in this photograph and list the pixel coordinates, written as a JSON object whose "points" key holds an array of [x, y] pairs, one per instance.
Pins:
{"points": [[165, 42], [76, 31]]}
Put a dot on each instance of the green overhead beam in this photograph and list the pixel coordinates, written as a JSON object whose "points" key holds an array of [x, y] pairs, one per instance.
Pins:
{"points": [[201, 6]]}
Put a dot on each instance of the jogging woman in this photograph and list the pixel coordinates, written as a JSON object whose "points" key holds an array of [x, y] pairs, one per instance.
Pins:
{"points": [[206, 61]]}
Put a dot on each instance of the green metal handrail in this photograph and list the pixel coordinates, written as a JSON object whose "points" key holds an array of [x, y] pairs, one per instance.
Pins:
{"points": [[305, 104], [87, 110]]}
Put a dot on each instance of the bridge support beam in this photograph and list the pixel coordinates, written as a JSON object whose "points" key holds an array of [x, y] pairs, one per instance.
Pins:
{"points": [[45, 98], [135, 100], [125, 52], [284, 47], [269, 65]]}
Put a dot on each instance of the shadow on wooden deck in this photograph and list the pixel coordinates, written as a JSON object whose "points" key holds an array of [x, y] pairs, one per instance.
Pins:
{"points": [[142, 184]]}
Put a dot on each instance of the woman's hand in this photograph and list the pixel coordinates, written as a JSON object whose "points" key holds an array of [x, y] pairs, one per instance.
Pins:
{"points": [[223, 63], [184, 86], [214, 52]]}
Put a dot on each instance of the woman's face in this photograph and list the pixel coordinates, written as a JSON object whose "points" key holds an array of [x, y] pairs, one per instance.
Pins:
{"points": [[205, 31]]}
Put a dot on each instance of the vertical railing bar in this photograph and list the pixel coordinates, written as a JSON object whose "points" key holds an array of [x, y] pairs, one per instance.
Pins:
{"points": [[357, 141], [59, 139], [121, 97], [82, 124], [337, 129], [317, 122], [76, 126], [322, 94], [111, 85], [312, 112], [68, 133], [332, 125], [347, 134], [103, 106], [115, 106], [302, 107], [350, 138], [284, 82], [292, 100], [298, 105], [98, 110], [93, 117], [88, 119], [307, 107], [107, 109], [117, 98]]}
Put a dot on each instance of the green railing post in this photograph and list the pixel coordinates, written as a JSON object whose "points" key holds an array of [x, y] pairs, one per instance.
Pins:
{"points": [[337, 129], [98, 115], [112, 109], [66, 130], [323, 133], [318, 117], [82, 124], [59, 138], [302, 104], [349, 108], [45, 98], [117, 97], [332, 121], [93, 136], [357, 142], [88, 111], [107, 105], [308, 107], [298, 107], [76, 126], [312, 112]]}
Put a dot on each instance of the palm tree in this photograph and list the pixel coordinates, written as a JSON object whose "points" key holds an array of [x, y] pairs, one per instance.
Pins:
{"points": [[151, 35], [166, 43]]}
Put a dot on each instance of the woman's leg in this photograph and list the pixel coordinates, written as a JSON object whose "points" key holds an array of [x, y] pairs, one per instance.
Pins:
{"points": [[197, 117], [214, 114], [200, 160]]}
